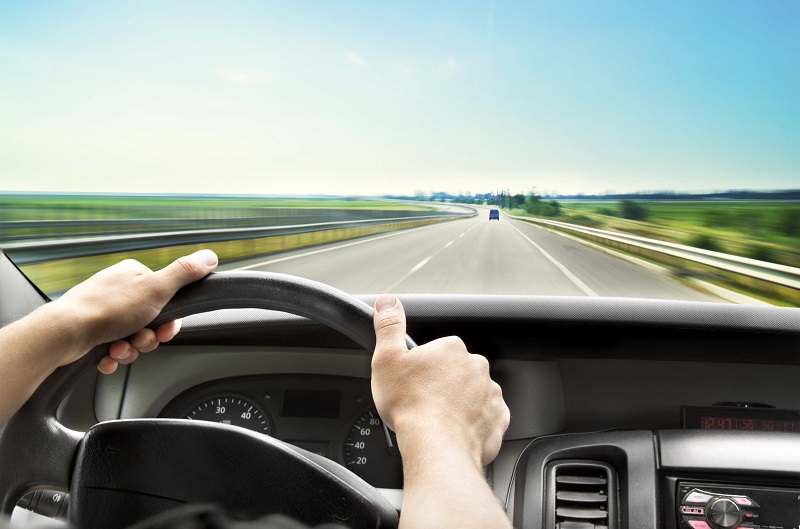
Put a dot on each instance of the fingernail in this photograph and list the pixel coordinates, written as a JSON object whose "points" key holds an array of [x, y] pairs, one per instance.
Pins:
{"points": [[385, 302], [208, 257], [124, 355]]}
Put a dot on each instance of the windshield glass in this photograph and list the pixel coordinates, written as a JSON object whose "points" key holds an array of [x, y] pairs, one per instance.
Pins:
{"points": [[558, 148]]}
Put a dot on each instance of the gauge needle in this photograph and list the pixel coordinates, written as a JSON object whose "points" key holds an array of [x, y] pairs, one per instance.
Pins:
{"points": [[388, 437]]}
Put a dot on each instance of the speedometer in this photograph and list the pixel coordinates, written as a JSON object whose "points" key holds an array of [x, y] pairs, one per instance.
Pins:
{"points": [[370, 451], [230, 409]]}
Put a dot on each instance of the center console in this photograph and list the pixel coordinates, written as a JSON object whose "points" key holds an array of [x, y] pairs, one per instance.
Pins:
{"points": [[672, 479]]}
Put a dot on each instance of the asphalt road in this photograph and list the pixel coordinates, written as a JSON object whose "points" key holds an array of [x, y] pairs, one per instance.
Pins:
{"points": [[473, 256]]}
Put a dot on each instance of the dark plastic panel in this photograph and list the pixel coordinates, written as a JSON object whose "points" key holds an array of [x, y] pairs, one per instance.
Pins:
{"points": [[631, 453], [18, 296], [507, 326]]}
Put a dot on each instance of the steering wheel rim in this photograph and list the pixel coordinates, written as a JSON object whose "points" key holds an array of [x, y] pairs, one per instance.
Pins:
{"points": [[37, 451]]}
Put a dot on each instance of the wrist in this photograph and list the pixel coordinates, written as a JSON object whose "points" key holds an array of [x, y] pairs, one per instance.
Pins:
{"points": [[436, 440], [66, 328]]}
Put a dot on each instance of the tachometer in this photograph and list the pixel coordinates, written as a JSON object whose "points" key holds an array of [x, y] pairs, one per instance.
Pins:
{"points": [[230, 409], [370, 451]]}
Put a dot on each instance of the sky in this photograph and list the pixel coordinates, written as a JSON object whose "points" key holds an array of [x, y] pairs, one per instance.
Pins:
{"points": [[372, 98]]}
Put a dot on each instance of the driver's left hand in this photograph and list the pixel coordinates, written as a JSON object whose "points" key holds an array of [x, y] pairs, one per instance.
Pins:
{"points": [[117, 303]]}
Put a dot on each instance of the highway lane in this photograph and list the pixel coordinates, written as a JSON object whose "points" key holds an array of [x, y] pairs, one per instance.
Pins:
{"points": [[473, 256]]}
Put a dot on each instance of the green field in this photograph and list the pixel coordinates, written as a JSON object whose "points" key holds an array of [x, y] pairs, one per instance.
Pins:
{"points": [[763, 230]]}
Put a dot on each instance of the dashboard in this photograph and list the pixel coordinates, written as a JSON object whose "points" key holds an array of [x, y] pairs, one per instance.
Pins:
{"points": [[603, 383]]}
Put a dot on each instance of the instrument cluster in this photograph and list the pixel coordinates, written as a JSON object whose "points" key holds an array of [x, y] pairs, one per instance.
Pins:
{"points": [[334, 417]]}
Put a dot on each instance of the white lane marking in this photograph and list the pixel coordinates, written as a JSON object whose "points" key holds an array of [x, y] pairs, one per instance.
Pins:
{"points": [[564, 270], [424, 262], [420, 264], [290, 257], [408, 274], [467, 231]]}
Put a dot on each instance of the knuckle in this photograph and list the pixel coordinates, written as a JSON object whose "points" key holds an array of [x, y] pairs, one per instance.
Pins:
{"points": [[481, 362], [497, 390], [134, 265], [187, 265], [144, 339], [506, 418], [388, 321], [454, 342]]}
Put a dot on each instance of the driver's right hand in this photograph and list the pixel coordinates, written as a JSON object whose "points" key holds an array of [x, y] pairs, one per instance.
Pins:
{"points": [[437, 393]]}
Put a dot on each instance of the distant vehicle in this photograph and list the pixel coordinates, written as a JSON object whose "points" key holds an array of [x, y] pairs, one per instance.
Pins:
{"points": [[494, 214]]}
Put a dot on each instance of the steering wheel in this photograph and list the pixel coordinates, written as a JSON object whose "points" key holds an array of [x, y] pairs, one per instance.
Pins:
{"points": [[122, 471]]}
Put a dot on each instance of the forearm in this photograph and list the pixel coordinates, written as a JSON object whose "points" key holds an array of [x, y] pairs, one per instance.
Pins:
{"points": [[30, 350], [445, 488]]}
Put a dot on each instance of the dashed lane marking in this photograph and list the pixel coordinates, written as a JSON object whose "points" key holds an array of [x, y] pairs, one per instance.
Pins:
{"points": [[408, 274], [424, 262]]}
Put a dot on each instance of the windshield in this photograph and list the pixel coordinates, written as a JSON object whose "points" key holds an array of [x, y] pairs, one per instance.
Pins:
{"points": [[559, 148]]}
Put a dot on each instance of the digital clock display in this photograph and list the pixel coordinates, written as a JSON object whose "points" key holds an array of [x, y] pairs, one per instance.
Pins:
{"points": [[731, 423], [749, 419]]}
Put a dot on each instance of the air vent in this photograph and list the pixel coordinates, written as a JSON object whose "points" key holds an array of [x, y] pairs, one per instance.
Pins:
{"points": [[581, 495]]}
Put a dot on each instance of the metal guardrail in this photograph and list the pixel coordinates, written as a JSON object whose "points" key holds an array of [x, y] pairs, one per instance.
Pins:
{"points": [[43, 229], [781, 275], [30, 252]]}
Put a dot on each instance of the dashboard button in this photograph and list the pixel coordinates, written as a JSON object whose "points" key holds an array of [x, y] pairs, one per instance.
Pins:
{"points": [[698, 524], [697, 496]]}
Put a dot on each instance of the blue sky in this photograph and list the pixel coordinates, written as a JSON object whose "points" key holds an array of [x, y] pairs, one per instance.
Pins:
{"points": [[380, 97]]}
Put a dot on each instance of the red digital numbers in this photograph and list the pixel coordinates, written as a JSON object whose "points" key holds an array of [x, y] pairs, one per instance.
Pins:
{"points": [[769, 426], [766, 425], [716, 423]]}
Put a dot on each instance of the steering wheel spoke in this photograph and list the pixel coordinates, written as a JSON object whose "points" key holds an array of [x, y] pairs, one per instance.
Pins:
{"points": [[37, 451], [138, 465]]}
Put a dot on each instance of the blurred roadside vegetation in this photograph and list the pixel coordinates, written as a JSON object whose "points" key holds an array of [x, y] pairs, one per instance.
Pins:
{"points": [[86, 207], [763, 230], [39, 217], [35, 217]]}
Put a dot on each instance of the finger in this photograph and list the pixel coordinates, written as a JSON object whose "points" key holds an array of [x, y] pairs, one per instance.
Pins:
{"points": [[188, 269], [144, 340], [119, 349], [107, 365], [168, 331], [390, 325], [134, 354]]}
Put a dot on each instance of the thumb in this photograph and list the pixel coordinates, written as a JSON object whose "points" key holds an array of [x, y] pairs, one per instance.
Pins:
{"points": [[390, 324], [188, 269]]}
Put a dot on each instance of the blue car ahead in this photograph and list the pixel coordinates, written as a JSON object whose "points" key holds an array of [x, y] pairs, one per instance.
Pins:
{"points": [[494, 214]]}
